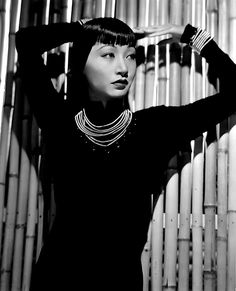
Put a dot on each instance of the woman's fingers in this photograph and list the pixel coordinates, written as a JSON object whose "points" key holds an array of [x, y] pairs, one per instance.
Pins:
{"points": [[161, 30], [166, 41]]}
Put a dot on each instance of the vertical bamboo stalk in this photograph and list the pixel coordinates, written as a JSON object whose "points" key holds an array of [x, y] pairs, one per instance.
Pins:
{"points": [[150, 92], [11, 207], [66, 17], [22, 201], [76, 10], [222, 207], [6, 100], [198, 163], [210, 175], [212, 28], [110, 8], [99, 9], [197, 201], [66, 10], [222, 167], [32, 212], [184, 227], [4, 28], [14, 155], [45, 13], [231, 271], [88, 9], [157, 245], [121, 11], [210, 210], [41, 218], [141, 45], [186, 170], [133, 16], [24, 14], [158, 206], [145, 260], [172, 187], [162, 67]]}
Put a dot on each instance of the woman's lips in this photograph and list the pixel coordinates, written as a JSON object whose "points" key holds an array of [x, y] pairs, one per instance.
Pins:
{"points": [[120, 84]]}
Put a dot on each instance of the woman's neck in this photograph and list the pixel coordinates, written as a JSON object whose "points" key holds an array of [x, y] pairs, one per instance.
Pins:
{"points": [[100, 112]]}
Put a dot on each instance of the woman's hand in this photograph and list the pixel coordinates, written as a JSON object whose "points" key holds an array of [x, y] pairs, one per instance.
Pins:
{"points": [[174, 31]]}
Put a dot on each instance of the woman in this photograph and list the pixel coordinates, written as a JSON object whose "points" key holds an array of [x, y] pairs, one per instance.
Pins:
{"points": [[105, 160]]}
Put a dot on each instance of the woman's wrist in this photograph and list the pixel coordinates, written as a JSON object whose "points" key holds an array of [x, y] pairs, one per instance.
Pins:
{"points": [[196, 38]]}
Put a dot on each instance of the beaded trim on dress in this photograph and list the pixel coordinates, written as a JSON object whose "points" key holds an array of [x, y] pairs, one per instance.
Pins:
{"points": [[106, 134]]}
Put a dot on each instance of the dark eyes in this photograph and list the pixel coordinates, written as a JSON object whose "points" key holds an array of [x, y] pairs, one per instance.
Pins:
{"points": [[112, 55], [108, 55], [132, 56]]}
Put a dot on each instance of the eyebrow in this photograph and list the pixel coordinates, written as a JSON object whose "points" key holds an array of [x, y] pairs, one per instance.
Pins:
{"points": [[105, 45], [112, 46]]}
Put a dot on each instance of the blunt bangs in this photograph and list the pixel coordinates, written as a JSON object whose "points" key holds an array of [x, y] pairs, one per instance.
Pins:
{"points": [[110, 31]]}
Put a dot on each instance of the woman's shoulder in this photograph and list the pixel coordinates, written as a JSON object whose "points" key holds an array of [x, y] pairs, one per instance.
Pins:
{"points": [[150, 112]]}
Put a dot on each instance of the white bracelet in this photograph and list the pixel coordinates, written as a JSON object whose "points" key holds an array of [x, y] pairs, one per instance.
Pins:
{"points": [[200, 39]]}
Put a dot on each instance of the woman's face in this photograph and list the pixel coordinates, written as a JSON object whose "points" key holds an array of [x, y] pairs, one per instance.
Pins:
{"points": [[110, 70]]}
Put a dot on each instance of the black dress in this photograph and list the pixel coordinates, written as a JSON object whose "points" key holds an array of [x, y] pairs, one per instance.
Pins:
{"points": [[103, 195]]}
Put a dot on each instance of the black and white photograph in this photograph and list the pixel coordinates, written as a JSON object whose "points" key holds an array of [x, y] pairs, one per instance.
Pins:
{"points": [[117, 145]]}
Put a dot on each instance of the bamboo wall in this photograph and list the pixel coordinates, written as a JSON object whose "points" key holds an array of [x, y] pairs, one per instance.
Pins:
{"points": [[192, 236]]}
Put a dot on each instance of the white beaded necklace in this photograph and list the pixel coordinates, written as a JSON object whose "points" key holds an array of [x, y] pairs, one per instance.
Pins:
{"points": [[106, 134]]}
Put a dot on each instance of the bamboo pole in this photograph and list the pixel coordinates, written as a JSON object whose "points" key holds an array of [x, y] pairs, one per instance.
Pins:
{"points": [[231, 271], [145, 260], [222, 207], [45, 13], [222, 167], [6, 113], [184, 227], [141, 50], [24, 14], [186, 170], [197, 201], [156, 224], [162, 69], [64, 48], [40, 220], [150, 92], [210, 175], [157, 244], [4, 29], [88, 9], [110, 8], [198, 163], [210, 210], [158, 206], [100, 9], [133, 13], [32, 212], [172, 193], [14, 155], [22, 201], [121, 11], [76, 10]]}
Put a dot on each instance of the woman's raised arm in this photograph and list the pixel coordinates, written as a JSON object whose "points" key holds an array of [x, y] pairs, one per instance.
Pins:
{"points": [[189, 121], [31, 43]]}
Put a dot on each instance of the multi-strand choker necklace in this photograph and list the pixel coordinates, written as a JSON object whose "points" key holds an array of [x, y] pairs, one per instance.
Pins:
{"points": [[106, 134]]}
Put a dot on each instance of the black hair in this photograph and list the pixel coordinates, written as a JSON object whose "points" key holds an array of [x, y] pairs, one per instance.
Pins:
{"points": [[111, 31], [105, 30]]}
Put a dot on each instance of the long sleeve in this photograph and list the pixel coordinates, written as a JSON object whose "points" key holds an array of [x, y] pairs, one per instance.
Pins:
{"points": [[180, 124], [31, 43]]}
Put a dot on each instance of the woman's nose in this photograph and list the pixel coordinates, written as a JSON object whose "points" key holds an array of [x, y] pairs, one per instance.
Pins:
{"points": [[122, 67]]}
